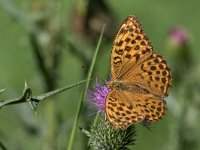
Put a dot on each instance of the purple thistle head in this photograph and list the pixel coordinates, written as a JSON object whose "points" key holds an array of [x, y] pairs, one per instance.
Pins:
{"points": [[98, 96], [178, 36]]}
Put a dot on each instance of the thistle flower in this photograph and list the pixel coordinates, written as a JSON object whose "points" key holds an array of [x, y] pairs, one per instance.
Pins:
{"points": [[178, 36], [179, 53], [98, 96], [103, 136]]}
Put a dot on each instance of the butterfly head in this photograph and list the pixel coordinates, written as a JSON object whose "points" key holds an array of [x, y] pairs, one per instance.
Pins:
{"points": [[115, 85]]}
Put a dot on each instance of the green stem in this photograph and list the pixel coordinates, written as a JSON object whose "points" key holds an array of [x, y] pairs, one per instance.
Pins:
{"points": [[71, 139], [48, 94], [2, 146], [27, 95]]}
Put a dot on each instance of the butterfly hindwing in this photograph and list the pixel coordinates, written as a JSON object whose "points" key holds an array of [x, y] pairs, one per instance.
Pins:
{"points": [[157, 73], [119, 113], [153, 75], [125, 108]]}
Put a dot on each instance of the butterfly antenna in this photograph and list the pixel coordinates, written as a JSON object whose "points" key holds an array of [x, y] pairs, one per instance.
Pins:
{"points": [[97, 76]]}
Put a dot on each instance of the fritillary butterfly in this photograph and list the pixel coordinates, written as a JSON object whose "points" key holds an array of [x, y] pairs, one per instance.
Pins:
{"points": [[140, 78]]}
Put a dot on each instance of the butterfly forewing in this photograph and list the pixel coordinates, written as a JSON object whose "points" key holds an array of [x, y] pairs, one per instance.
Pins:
{"points": [[153, 75], [130, 46]]}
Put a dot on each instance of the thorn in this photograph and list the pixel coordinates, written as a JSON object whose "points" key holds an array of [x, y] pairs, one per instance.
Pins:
{"points": [[87, 133], [2, 90], [25, 86], [33, 106]]}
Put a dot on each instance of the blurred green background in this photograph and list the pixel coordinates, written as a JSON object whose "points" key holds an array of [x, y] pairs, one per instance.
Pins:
{"points": [[65, 34]]}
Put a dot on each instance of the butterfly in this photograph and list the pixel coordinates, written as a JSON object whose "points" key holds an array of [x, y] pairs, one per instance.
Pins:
{"points": [[140, 78]]}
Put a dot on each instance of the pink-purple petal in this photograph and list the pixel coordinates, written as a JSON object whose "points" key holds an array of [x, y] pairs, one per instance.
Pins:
{"points": [[98, 96]]}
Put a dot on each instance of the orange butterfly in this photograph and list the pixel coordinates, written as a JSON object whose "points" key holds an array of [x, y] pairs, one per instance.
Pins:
{"points": [[140, 78]]}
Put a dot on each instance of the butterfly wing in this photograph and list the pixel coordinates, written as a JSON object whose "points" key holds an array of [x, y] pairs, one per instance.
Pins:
{"points": [[125, 108], [134, 62], [131, 47], [153, 75]]}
